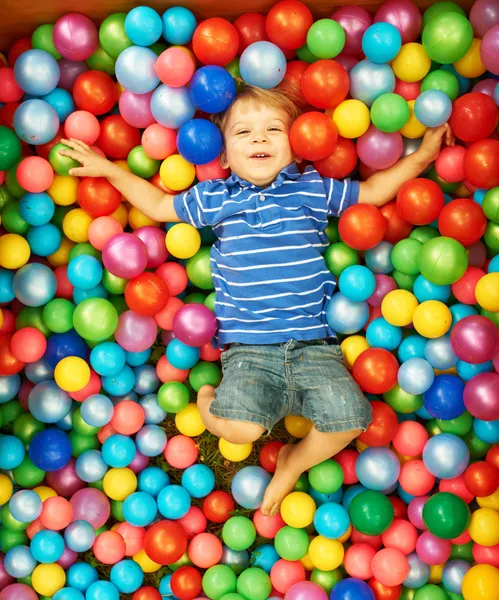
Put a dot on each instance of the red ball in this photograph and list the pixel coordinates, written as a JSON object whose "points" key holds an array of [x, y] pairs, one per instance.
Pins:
{"points": [[294, 73], [288, 23], [9, 88], [208, 353], [375, 370], [341, 162], [64, 287], [399, 507], [268, 456], [410, 438], [362, 226], [35, 174], [117, 138], [313, 136], [450, 164], [463, 220], [147, 593], [347, 459], [175, 277], [464, 289], [215, 42], [415, 479], [146, 294], [186, 583], [97, 196], [457, 487], [419, 201], [268, 527], [396, 228], [211, 170], [165, 542], [401, 535], [7, 114], [9, 364], [325, 84], [481, 479], [383, 425], [44, 149], [28, 344], [408, 90], [82, 125], [17, 48], [251, 29], [474, 117], [486, 555], [480, 163], [96, 92], [384, 592], [492, 457], [218, 506]]}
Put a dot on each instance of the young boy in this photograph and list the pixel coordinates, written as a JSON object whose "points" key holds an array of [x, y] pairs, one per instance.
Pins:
{"points": [[272, 285]]}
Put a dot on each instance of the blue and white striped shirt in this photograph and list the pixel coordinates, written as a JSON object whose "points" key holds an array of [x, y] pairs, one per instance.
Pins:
{"points": [[271, 281]]}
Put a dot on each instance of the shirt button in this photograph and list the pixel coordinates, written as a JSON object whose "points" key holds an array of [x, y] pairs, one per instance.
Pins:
{"points": [[262, 198]]}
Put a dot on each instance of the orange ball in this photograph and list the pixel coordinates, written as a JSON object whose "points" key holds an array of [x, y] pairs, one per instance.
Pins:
{"points": [[128, 417], [57, 513], [109, 547]]}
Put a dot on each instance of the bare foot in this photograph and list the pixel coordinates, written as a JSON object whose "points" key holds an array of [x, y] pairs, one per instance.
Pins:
{"points": [[283, 482]]}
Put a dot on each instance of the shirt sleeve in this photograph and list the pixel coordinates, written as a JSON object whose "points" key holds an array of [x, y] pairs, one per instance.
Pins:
{"points": [[200, 205], [340, 195]]}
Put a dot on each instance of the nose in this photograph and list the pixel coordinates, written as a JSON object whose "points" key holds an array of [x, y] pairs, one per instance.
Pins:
{"points": [[260, 137]]}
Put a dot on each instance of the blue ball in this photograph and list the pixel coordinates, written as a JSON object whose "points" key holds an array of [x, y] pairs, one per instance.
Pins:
{"points": [[479, 195], [446, 455], [6, 286], [44, 240], [453, 575], [131, 395], [378, 259], [81, 576], [179, 24], [34, 284], [48, 402], [62, 101], [39, 371], [264, 557], [174, 502], [460, 311], [102, 590], [19, 562], [68, 593], [263, 65], [127, 576], [426, 290], [493, 265], [357, 283], [249, 485], [381, 42], [180, 355], [36, 209], [152, 480], [198, 480], [97, 410], [66, 423], [381, 334], [467, 370], [352, 589], [25, 506], [331, 520], [135, 69], [60, 345], [415, 376], [135, 359], [143, 26], [118, 451], [444, 399], [153, 413], [151, 440], [419, 572], [36, 72], [377, 468], [404, 496], [369, 81], [237, 560], [50, 450], [47, 546], [464, 82], [350, 494], [487, 431], [90, 466], [496, 94], [320, 498], [79, 536], [146, 380], [36, 122], [107, 358], [120, 384], [439, 353], [172, 107], [345, 316], [9, 386], [140, 509], [84, 271], [199, 141], [433, 108], [212, 89], [99, 291], [422, 413]]}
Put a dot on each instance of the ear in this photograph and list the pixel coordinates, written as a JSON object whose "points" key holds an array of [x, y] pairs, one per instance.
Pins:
{"points": [[223, 160]]}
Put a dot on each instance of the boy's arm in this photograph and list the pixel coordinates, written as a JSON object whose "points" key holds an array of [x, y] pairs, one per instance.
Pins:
{"points": [[384, 186], [142, 194]]}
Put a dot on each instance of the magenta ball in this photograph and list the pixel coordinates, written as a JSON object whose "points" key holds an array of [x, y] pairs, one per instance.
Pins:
{"points": [[484, 14], [194, 324], [75, 36], [139, 462], [5, 578], [167, 337], [489, 50], [154, 241], [135, 333], [379, 150], [402, 14], [136, 109], [125, 255], [68, 558], [354, 20], [91, 505], [481, 396], [305, 590], [347, 61], [18, 591], [496, 363], [65, 481], [486, 86], [432, 550], [415, 511], [475, 339], [384, 285], [70, 71]]}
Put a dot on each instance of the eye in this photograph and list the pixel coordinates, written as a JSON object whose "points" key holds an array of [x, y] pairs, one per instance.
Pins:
{"points": [[274, 129], [242, 132]]}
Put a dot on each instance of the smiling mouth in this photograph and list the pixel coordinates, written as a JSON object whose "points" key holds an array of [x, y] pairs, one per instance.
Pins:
{"points": [[260, 155]]}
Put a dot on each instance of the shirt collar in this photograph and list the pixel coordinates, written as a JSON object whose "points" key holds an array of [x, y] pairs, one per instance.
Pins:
{"points": [[289, 172]]}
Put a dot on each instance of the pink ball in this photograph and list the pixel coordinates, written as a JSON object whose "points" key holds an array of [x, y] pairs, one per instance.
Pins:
{"points": [[486, 86], [306, 590], [358, 559], [415, 512], [484, 14], [384, 285], [361, 538], [354, 20], [433, 550], [23, 394], [286, 573], [410, 438], [154, 241], [181, 452], [135, 333], [194, 522], [102, 229], [109, 547], [82, 125], [486, 555], [401, 535], [167, 337], [481, 396], [5, 578], [390, 566], [268, 527], [35, 174], [18, 591], [91, 505], [456, 486], [402, 14], [125, 256], [175, 67], [450, 163], [346, 61], [205, 550], [211, 170], [75, 36], [175, 277], [159, 142], [194, 324], [489, 50], [475, 339], [133, 536], [136, 109], [65, 481], [68, 558], [379, 150], [70, 71]]}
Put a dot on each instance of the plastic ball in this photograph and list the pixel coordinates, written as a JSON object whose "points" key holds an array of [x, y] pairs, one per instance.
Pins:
{"points": [[248, 486], [446, 456], [215, 41], [380, 150], [352, 119], [377, 468], [415, 376], [474, 117], [313, 136], [37, 72], [381, 42], [50, 450], [346, 316], [212, 89], [263, 64], [48, 579], [433, 108], [412, 63]]}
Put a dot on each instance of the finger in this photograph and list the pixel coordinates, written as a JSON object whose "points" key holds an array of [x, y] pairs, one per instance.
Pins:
{"points": [[79, 172], [81, 143], [74, 154], [75, 144]]}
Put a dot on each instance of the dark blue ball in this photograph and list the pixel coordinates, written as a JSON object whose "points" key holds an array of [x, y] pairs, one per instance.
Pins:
{"points": [[60, 345], [212, 89], [444, 399], [199, 141], [50, 450]]}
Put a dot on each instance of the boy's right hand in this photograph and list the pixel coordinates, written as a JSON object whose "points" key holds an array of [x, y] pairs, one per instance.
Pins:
{"points": [[93, 164]]}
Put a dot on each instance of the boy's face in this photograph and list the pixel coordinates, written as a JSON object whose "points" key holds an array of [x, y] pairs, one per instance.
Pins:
{"points": [[257, 145]]}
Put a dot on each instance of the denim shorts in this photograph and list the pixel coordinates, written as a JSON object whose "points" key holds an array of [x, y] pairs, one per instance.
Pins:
{"points": [[263, 384]]}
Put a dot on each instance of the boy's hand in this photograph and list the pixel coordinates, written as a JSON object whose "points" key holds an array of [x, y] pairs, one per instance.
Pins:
{"points": [[93, 165], [432, 142]]}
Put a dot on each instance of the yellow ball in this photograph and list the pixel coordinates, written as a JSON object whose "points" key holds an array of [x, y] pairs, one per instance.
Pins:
{"points": [[122, 164], [45, 492], [48, 579], [487, 292], [352, 347], [1, 318], [298, 510], [234, 452], [145, 563], [436, 573], [6, 488], [484, 527], [471, 64], [139, 219], [325, 554], [491, 501], [398, 307], [432, 319], [61, 256], [346, 536], [121, 215], [307, 564], [481, 582], [14, 251], [75, 225], [63, 190], [413, 129], [298, 427], [118, 484], [3, 60], [189, 422], [72, 373], [176, 173], [411, 63], [352, 118], [183, 240]]}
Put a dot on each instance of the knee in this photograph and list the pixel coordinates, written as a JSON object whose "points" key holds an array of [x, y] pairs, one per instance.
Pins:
{"points": [[240, 432]]}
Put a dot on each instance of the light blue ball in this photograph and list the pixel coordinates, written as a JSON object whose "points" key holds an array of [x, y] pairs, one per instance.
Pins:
{"points": [[357, 283], [404, 496], [415, 376], [264, 557], [68, 593], [419, 572], [134, 359], [453, 575], [422, 413], [34, 284], [345, 316], [237, 560], [439, 353], [102, 590], [350, 494], [131, 395], [381, 42], [19, 562], [174, 502], [140, 509], [62, 101], [263, 65], [433, 108], [44, 240], [172, 107], [331, 520], [153, 413], [120, 384], [249, 485], [118, 451], [369, 81], [151, 440], [143, 26], [97, 410], [426, 290], [180, 355], [84, 272], [487, 431], [36, 72], [152, 480], [79, 536], [90, 466], [36, 209], [25, 506], [381, 334], [467, 370], [198, 480], [9, 386], [179, 24], [479, 195], [48, 402], [135, 69], [319, 498], [377, 468], [99, 291], [38, 371], [107, 358], [146, 380], [165, 587], [11, 452], [493, 265], [81, 576], [6, 289], [66, 423], [496, 94], [446, 455], [47, 546], [127, 576], [378, 259], [36, 122], [460, 311]]}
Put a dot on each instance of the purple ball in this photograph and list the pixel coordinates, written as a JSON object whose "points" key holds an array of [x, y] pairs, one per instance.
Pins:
{"points": [[346, 61], [484, 14], [486, 86], [379, 150], [489, 50], [481, 396], [167, 337], [75, 36], [433, 550], [415, 512], [475, 339], [91, 505], [68, 558], [306, 590], [5, 578], [135, 333], [18, 591], [384, 285], [139, 462], [125, 255], [194, 325], [136, 109], [402, 14], [70, 71], [354, 20], [154, 241], [65, 481]]}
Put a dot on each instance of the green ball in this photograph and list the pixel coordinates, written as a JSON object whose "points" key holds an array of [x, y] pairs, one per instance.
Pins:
{"points": [[9, 539], [423, 234], [119, 304], [493, 316], [371, 512], [326, 38], [254, 584], [339, 257], [10, 148], [332, 231], [32, 316], [447, 37], [389, 113], [195, 298], [84, 249], [491, 236], [12, 220], [112, 283], [291, 543], [183, 561], [10, 411], [98, 485], [101, 61], [232, 596], [443, 260], [158, 48], [490, 205], [443, 81], [117, 510], [477, 447], [62, 164], [459, 426], [82, 443], [430, 591], [81, 427], [439, 8], [233, 69], [326, 477], [302, 485], [28, 475], [210, 301], [462, 552], [42, 39], [405, 282], [401, 401], [57, 315], [59, 213], [141, 164], [204, 373], [9, 522], [306, 55], [173, 396], [326, 579], [208, 236], [432, 428], [407, 593], [238, 533], [219, 581], [12, 183], [26, 427], [5, 196], [405, 255], [112, 36], [198, 269], [95, 319], [446, 515]]}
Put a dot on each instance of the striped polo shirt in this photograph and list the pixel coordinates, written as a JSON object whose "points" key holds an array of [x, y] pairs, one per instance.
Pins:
{"points": [[270, 277]]}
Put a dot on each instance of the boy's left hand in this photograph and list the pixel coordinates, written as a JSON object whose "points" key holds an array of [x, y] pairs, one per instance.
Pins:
{"points": [[432, 142]]}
